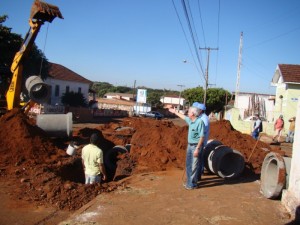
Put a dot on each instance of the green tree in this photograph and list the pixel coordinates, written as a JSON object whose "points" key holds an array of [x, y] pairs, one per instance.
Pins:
{"points": [[74, 99], [193, 94], [101, 88], [122, 89], [216, 98], [153, 98]]}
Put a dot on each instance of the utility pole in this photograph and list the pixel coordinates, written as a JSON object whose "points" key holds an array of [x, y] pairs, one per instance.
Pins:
{"points": [[133, 94], [179, 85], [237, 88], [206, 73]]}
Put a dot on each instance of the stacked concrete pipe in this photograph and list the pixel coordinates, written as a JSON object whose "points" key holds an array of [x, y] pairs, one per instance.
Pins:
{"points": [[274, 175], [222, 160]]}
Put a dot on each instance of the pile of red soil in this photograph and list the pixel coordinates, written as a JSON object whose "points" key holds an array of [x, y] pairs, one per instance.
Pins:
{"points": [[40, 171], [159, 145], [244, 143], [37, 170]]}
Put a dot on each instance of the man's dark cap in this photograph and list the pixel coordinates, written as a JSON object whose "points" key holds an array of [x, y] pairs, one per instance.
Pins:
{"points": [[94, 138]]}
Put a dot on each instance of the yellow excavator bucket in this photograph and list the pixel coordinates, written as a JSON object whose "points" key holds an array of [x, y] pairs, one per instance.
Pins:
{"points": [[43, 11]]}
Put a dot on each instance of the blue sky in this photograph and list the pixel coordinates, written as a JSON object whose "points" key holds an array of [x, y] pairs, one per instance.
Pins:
{"points": [[122, 41]]}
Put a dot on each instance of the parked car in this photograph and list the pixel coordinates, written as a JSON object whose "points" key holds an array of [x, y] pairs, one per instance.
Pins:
{"points": [[153, 114], [253, 118]]}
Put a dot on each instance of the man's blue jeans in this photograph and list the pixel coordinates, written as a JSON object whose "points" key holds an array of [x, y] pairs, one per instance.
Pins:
{"points": [[255, 134], [290, 137], [193, 166], [89, 179]]}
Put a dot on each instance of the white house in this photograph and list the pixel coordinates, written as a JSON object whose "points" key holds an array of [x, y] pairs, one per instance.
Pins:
{"points": [[63, 80], [172, 100]]}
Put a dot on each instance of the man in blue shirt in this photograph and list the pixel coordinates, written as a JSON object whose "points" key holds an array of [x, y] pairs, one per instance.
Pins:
{"points": [[205, 120], [194, 152], [257, 127]]}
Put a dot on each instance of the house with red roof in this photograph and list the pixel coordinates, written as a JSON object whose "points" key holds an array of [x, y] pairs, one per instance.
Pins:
{"points": [[287, 81], [63, 80]]}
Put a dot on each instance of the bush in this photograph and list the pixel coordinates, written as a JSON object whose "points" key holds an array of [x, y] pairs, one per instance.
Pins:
{"points": [[74, 99]]}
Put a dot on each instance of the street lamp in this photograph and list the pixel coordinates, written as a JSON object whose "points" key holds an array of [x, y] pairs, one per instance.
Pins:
{"points": [[205, 79]]}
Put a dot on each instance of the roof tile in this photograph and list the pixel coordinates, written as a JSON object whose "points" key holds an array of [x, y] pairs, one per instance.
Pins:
{"points": [[60, 72], [290, 73]]}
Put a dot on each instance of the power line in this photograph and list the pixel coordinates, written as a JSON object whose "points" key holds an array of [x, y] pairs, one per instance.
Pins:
{"points": [[273, 38], [194, 38], [207, 69], [192, 34], [201, 22], [218, 39], [186, 38], [193, 24]]}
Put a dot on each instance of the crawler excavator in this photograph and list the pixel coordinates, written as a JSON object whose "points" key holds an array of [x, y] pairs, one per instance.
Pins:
{"points": [[38, 91]]}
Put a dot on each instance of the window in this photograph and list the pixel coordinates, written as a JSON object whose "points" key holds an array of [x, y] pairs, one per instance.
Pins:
{"points": [[56, 90], [79, 90], [67, 89]]}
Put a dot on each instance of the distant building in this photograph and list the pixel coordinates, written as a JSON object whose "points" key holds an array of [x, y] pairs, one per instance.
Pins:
{"points": [[252, 103], [63, 80], [120, 96], [286, 79], [172, 100]]}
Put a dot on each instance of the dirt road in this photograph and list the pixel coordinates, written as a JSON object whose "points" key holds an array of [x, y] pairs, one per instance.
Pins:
{"points": [[159, 198]]}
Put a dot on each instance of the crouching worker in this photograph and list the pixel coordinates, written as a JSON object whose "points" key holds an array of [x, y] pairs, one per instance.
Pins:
{"points": [[92, 161]]}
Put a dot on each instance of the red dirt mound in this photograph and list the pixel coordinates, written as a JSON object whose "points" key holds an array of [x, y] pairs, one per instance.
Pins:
{"points": [[244, 143], [39, 170], [159, 145]]}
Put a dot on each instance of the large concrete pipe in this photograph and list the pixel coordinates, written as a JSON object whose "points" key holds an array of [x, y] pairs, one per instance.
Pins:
{"points": [[226, 162], [211, 145], [274, 175], [56, 125], [38, 91]]}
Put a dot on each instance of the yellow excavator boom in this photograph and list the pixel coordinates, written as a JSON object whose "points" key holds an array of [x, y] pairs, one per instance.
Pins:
{"points": [[40, 13]]}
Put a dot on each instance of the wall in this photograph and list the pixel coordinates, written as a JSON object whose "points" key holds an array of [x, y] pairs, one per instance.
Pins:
{"points": [[172, 100], [118, 97], [110, 113], [290, 101], [233, 115], [286, 105], [243, 102], [103, 105], [291, 196]]}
